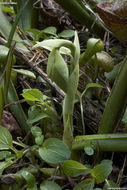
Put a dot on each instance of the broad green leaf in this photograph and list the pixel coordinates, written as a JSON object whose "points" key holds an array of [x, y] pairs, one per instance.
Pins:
{"points": [[32, 95], [36, 131], [50, 30], [73, 168], [57, 69], [49, 185], [102, 171], [35, 114], [86, 184], [4, 154], [25, 72], [54, 151], [5, 139], [110, 185], [4, 165], [30, 179], [66, 33], [91, 85]]}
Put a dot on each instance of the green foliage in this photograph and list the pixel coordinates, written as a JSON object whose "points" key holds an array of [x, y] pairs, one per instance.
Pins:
{"points": [[54, 151], [46, 185], [30, 180], [5, 139], [36, 131], [110, 184], [86, 184], [52, 158], [25, 72], [102, 171], [73, 168], [49, 33], [57, 70], [32, 95]]}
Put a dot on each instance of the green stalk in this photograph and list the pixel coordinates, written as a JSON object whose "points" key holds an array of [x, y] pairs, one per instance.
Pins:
{"points": [[68, 107], [16, 109], [103, 142], [116, 103], [81, 14], [16, 22], [1, 102], [29, 18], [10, 62], [5, 28]]}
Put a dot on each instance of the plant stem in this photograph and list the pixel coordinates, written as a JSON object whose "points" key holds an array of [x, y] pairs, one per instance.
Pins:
{"points": [[116, 103], [81, 14], [105, 142]]}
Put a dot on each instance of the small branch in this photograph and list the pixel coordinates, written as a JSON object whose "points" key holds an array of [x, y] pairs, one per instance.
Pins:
{"points": [[34, 66]]}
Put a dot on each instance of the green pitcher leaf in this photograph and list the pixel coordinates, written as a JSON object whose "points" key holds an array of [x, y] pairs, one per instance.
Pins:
{"points": [[87, 184], [73, 81], [57, 69], [54, 151], [102, 171], [93, 46], [47, 185], [5, 139], [73, 168], [53, 43]]}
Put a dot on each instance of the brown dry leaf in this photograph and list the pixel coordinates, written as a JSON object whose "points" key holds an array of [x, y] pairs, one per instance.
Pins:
{"points": [[115, 18]]}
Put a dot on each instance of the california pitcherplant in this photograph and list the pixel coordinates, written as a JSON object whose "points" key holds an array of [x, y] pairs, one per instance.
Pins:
{"points": [[65, 77]]}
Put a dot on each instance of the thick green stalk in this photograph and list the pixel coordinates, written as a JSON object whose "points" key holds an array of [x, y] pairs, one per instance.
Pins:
{"points": [[102, 142], [81, 14], [116, 103]]}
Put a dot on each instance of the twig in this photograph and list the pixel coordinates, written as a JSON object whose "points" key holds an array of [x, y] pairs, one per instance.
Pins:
{"points": [[33, 65]]}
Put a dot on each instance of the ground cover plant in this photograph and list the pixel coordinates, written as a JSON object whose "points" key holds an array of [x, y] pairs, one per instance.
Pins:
{"points": [[63, 95]]}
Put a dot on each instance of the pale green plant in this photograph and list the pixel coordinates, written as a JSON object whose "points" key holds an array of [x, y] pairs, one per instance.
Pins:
{"points": [[65, 77]]}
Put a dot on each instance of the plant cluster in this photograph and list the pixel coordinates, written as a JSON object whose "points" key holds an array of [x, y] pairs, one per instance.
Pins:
{"points": [[52, 156]]}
